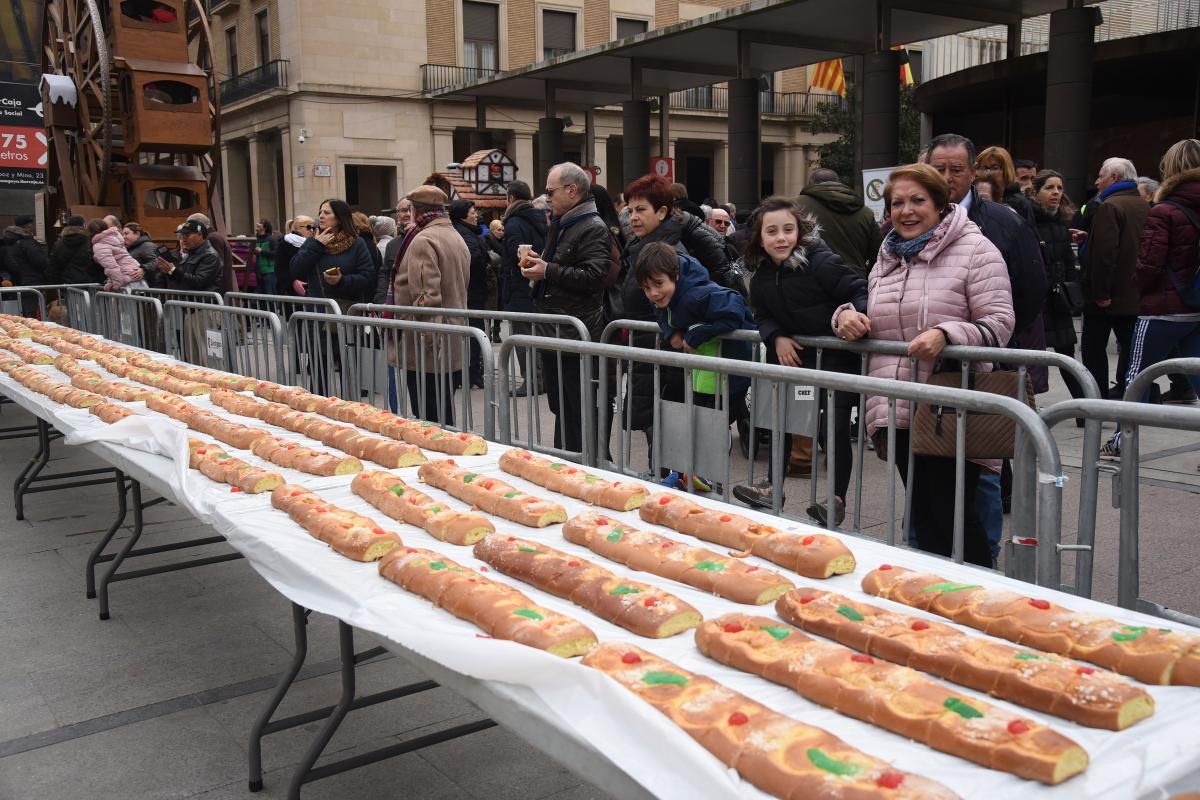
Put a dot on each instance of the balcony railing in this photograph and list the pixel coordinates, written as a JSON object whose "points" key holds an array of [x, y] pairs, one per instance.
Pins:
{"points": [[271, 75], [789, 104], [1122, 19], [439, 76]]}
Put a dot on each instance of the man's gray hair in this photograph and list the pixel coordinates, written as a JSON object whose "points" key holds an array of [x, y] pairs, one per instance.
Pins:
{"points": [[541, 202], [1149, 184], [203, 220], [1121, 168], [112, 221], [571, 174], [383, 226]]}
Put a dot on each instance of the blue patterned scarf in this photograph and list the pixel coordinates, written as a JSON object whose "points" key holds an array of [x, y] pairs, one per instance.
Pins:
{"points": [[907, 249]]}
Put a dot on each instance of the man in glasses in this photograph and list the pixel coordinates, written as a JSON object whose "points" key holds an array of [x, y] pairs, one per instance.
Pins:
{"points": [[302, 228], [570, 277], [718, 220]]}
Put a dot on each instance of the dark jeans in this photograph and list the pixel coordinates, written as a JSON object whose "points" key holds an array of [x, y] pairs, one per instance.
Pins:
{"points": [[933, 504], [843, 452], [266, 283], [1094, 344], [520, 353], [424, 386], [568, 416], [476, 366]]}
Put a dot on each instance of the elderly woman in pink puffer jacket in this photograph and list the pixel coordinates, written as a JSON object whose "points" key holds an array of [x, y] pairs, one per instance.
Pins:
{"points": [[938, 281]]}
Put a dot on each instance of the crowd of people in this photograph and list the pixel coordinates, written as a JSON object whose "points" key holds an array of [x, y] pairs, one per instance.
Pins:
{"points": [[975, 248]]}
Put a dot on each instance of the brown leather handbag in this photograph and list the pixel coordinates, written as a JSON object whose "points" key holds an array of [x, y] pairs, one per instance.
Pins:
{"points": [[935, 427]]}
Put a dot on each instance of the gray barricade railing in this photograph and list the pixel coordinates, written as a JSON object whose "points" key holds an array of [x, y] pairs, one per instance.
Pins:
{"points": [[129, 319], [282, 305], [21, 297], [183, 295], [526, 400], [377, 360], [79, 303], [1026, 561], [1131, 415], [62, 293], [244, 341], [1023, 505]]}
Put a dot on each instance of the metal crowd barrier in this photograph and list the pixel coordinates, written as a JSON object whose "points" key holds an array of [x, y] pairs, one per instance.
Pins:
{"points": [[490, 323], [808, 421], [1132, 415], [350, 357], [79, 303], [244, 341], [1027, 561], [17, 299], [184, 295], [129, 319], [282, 305]]}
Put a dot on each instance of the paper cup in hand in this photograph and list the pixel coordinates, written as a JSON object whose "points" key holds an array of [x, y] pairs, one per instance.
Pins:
{"points": [[523, 251]]}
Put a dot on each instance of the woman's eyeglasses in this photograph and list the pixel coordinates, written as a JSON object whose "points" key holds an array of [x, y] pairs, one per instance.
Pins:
{"points": [[310, 227]]}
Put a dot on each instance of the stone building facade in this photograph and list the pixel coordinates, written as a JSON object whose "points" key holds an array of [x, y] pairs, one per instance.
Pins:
{"points": [[326, 101]]}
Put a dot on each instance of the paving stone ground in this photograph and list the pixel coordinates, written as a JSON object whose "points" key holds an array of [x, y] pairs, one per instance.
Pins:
{"points": [[157, 701]]}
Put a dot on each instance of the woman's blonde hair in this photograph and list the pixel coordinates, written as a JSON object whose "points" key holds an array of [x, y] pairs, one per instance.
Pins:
{"points": [[1008, 173], [1180, 157]]}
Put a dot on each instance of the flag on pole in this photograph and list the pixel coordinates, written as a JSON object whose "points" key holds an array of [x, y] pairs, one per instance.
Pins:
{"points": [[906, 76], [830, 76]]}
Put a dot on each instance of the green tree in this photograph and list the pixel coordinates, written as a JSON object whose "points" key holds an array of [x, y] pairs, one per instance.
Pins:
{"points": [[838, 118]]}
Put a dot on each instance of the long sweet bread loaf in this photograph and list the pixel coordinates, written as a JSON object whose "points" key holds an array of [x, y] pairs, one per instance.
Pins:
{"points": [[492, 495], [111, 412], [402, 502], [348, 533], [286, 453], [294, 396], [780, 755], [635, 606], [212, 377], [1151, 655], [723, 576], [1044, 682], [233, 434], [212, 460], [811, 555], [124, 392], [28, 353], [500, 610], [892, 697], [425, 435], [573, 482]]}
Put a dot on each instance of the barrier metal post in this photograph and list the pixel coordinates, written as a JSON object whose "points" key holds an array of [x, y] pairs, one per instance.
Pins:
{"points": [[129, 319], [1044, 447], [78, 300], [342, 349], [21, 295], [244, 341], [185, 295]]}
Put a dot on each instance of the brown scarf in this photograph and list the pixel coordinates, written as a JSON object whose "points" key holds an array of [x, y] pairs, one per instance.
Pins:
{"points": [[340, 243]]}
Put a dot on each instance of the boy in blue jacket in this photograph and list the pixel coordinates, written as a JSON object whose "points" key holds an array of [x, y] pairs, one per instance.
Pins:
{"points": [[692, 313]]}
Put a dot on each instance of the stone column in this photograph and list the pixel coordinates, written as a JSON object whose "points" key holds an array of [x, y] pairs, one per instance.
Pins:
{"points": [[443, 148], [522, 153], [263, 188], [287, 203], [745, 143], [635, 138], [550, 146], [1069, 96], [721, 171], [236, 168], [881, 110]]}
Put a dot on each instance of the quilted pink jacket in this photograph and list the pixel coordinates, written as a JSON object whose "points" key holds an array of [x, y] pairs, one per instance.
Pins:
{"points": [[958, 279], [108, 250]]}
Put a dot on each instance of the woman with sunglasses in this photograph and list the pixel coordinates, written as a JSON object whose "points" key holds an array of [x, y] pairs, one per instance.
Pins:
{"points": [[299, 229], [336, 262]]}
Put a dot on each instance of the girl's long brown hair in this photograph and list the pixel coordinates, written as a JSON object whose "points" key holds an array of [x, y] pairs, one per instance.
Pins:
{"points": [[755, 254]]}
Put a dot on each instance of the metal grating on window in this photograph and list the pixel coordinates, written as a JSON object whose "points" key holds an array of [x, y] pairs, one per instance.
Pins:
{"points": [[481, 21], [558, 31]]}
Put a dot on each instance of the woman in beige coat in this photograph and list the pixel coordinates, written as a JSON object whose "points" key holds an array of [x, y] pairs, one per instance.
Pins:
{"points": [[432, 271]]}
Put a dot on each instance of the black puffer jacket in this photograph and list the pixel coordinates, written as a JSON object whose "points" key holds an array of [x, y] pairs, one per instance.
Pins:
{"points": [[477, 288], [1018, 202], [24, 257], [1055, 240], [357, 267], [577, 255], [799, 297], [523, 224], [71, 259], [1018, 245], [146, 254], [200, 271]]}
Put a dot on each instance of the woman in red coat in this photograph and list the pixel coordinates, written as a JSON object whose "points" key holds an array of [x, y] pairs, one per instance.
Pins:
{"points": [[1167, 264]]}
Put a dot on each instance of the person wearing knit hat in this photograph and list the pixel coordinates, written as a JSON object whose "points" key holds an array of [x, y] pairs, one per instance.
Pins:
{"points": [[432, 269]]}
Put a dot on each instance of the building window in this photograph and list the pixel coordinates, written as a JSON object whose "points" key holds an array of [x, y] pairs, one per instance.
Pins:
{"points": [[558, 33], [262, 30], [481, 35], [631, 27], [231, 54]]}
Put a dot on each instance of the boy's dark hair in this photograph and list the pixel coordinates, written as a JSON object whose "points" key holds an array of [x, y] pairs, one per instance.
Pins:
{"points": [[519, 190], [656, 258]]}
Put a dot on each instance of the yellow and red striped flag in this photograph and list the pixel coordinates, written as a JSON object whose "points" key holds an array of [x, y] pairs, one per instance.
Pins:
{"points": [[830, 76], [906, 76]]}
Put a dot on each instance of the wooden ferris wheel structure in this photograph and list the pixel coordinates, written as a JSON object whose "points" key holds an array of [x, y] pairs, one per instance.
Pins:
{"points": [[132, 111]]}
